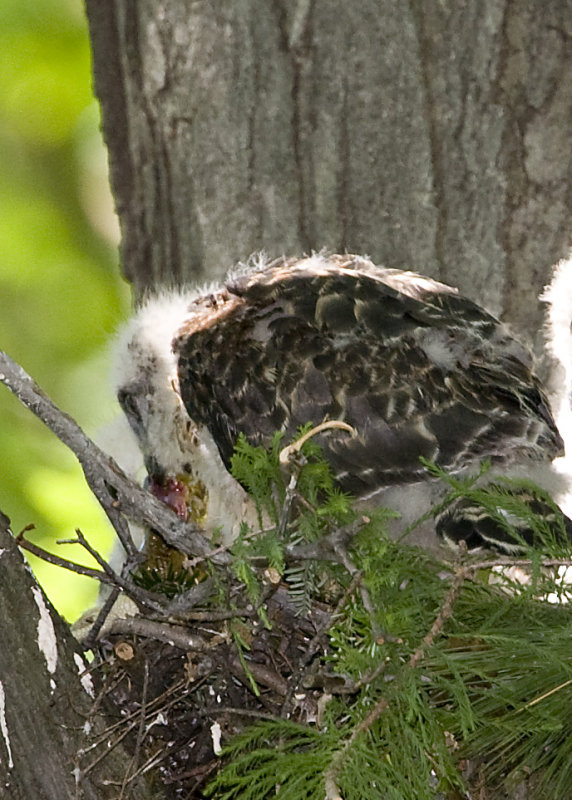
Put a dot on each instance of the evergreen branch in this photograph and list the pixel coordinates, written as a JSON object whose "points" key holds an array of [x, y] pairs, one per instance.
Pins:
{"points": [[331, 774], [373, 674], [445, 612], [339, 542]]}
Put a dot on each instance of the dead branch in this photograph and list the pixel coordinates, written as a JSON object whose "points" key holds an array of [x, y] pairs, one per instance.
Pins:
{"points": [[176, 635], [107, 575], [64, 563], [120, 497]]}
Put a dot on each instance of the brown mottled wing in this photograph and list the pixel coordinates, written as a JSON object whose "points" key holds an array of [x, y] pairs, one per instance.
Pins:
{"points": [[416, 369]]}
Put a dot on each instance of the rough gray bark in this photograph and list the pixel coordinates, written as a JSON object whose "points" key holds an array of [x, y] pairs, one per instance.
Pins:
{"points": [[43, 706], [428, 135]]}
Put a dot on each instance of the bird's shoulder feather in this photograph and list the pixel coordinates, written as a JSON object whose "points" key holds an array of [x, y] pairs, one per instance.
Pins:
{"points": [[413, 366]]}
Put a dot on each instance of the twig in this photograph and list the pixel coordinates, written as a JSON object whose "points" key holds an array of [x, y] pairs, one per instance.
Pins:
{"points": [[370, 676], [200, 772], [213, 555], [261, 674], [219, 616], [93, 553], [107, 576], [140, 731], [154, 707], [544, 695], [328, 548], [314, 643], [176, 635], [91, 639], [111, 681], [445, 612], [154, 760], [518, 562], [109, 746], [353, 570], [289, 496], [331, 774], [119, 496], [128, 723], [215, 711], [52, 558]]}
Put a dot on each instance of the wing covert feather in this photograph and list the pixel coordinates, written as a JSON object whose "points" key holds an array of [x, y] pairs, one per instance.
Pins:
{"points": [[414, 367]]}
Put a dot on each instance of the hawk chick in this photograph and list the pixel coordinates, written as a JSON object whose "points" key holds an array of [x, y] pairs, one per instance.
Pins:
{"points": [[415, 368]]}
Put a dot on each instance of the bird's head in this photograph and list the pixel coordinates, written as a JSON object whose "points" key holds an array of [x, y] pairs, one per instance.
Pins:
{"points": [[147, 388]]}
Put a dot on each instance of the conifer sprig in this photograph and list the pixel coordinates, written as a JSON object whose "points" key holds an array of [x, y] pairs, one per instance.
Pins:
{"points": [[467, 669]]}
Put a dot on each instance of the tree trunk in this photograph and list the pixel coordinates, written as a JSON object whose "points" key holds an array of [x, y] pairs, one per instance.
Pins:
{"points": [[427, 135], [47, 718]]}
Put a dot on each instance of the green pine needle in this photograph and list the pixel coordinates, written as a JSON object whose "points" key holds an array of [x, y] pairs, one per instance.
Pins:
{"points": [[493, 684]]}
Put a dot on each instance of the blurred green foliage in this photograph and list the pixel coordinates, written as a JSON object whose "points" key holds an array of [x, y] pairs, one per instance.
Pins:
{"points": [[61, 296]]}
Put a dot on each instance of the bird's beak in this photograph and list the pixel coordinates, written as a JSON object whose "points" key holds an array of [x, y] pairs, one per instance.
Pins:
{"points": [[135, 405], [134, 400], [154, 471]]}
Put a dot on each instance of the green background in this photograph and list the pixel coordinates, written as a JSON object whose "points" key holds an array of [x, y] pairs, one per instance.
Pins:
{"points": [[61, 296]]}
